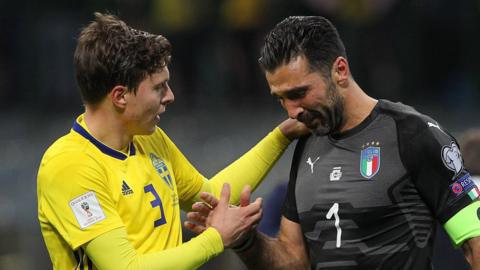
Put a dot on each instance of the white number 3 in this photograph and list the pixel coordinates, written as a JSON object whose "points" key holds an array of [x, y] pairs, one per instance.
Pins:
{"points": [[334, 211]]}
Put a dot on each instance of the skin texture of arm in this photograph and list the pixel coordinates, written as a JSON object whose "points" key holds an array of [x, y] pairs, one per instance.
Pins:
{"points": [[471, 249], [288, 251]]}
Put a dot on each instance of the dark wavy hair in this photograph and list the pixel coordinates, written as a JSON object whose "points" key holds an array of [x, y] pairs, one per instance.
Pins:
{"points": [[313, 36], [110, 53]]}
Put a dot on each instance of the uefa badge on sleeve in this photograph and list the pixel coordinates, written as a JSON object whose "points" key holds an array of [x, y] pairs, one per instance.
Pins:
{"points": [[465, 185], [370, 160]]}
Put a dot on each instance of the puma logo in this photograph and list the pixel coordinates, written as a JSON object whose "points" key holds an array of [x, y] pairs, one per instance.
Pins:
{"points": [[311, 163], [430, 124]]}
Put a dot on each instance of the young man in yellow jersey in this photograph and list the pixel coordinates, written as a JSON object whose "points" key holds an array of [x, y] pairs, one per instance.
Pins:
{"points": [[110, 191]]}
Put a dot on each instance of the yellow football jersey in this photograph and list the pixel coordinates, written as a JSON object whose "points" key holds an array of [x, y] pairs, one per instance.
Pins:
{"points": [[86, 188]]}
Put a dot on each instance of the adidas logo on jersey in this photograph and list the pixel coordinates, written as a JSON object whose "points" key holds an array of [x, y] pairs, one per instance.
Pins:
{"points": [[126, 190]]}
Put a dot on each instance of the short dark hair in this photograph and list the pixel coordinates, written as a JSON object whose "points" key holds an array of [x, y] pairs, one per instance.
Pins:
{"points": [[470, 146], [109, 53], [313, 36]]}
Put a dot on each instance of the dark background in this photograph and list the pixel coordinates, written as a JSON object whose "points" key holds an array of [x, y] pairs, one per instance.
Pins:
{"points": [[420, 52]]}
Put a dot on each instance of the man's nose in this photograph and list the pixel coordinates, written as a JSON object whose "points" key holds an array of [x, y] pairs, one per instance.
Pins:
{"points": [[169, 97], [293, 108]]}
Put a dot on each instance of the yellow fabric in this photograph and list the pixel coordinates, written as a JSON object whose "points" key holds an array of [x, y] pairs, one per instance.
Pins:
{"points": [[84, 193], [251, 168], [73, 166], [122, 255]]}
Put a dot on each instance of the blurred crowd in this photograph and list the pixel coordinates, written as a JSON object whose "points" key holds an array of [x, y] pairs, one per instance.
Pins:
{"points": [[402, 50]]}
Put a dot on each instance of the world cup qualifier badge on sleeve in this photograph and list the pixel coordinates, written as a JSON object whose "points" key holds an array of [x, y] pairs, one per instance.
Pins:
{"points": [[87, 209]]}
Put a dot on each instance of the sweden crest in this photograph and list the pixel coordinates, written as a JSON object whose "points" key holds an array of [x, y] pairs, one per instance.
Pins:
{"points": [[162, 170]]}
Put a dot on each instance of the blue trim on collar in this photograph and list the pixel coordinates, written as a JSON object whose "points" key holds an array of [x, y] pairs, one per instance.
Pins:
{"points": [[102, 147]]}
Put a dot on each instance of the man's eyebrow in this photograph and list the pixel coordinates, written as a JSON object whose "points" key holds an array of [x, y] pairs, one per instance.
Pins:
{"points": [[161, 82], [291, 90]]}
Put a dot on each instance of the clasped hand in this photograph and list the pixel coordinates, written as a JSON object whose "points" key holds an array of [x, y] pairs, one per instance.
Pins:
{"points": [[232, 222]]}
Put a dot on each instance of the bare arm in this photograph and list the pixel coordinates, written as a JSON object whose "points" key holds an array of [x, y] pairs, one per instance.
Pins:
{"points": [[471, 249], [288, 251]]}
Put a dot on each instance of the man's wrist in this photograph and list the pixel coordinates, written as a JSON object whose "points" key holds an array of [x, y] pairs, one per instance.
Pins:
{"points": [[285, 133], [247, 243]]}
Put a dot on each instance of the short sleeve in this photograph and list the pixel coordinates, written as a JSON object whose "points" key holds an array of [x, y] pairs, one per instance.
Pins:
{"points": [[74, 197], [435, 162]]}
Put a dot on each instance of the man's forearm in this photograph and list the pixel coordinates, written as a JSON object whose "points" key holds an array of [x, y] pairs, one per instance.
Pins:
{"points": [[272, 253], [471, 249], [112, 250]]}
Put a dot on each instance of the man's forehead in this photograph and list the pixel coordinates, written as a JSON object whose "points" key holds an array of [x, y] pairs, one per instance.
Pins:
{"points": [[298, 64], [160, 75], [293, 75]]}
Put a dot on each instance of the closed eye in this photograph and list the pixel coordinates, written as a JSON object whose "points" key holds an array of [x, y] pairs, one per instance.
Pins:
{"points": [[296, 93]]}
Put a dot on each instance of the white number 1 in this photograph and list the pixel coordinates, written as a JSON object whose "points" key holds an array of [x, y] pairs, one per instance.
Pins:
{"points": [[334, 211]]}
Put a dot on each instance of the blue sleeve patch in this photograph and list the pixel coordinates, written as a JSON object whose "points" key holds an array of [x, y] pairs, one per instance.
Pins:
{"points": [[465, 185]]}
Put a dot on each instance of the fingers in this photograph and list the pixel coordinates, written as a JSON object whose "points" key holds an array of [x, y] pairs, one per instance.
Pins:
{"points": [[196, 218], [252, 221], [225, 195], [255, 218], [245, 196], [209, 199], [253, 207], [293, 128], [213, 202], [194, 227], [202, 208]]}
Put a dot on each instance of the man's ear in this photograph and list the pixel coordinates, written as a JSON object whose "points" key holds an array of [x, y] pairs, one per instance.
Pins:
{"points": [[340, 71], [117, 95]]}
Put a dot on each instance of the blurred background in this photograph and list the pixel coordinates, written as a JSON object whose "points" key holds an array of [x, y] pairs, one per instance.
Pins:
{"points": [[421, 52]]}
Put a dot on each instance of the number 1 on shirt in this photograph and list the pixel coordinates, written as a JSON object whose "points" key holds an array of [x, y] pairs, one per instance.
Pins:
{"points": [[334, 211]]}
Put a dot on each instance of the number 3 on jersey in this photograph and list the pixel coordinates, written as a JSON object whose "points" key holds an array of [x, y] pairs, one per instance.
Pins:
{"points": [[156, 203]]}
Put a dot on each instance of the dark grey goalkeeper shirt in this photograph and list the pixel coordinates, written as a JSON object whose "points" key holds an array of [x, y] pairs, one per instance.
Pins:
{"points": [[368, 198]]}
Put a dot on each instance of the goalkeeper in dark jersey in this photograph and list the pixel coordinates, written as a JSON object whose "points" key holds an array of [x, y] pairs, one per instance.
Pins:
{"points": [[369, 184]]}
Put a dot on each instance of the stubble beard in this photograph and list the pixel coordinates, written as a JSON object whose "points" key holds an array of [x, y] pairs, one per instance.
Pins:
{"points": [[327, 119]]}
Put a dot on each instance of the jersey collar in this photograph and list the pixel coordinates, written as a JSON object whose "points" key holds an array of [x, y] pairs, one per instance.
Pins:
{"points": [[369, 119], [102, 147]]}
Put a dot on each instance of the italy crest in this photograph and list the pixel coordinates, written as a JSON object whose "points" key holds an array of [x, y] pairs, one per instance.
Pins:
{"points": [[370, 161]]}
